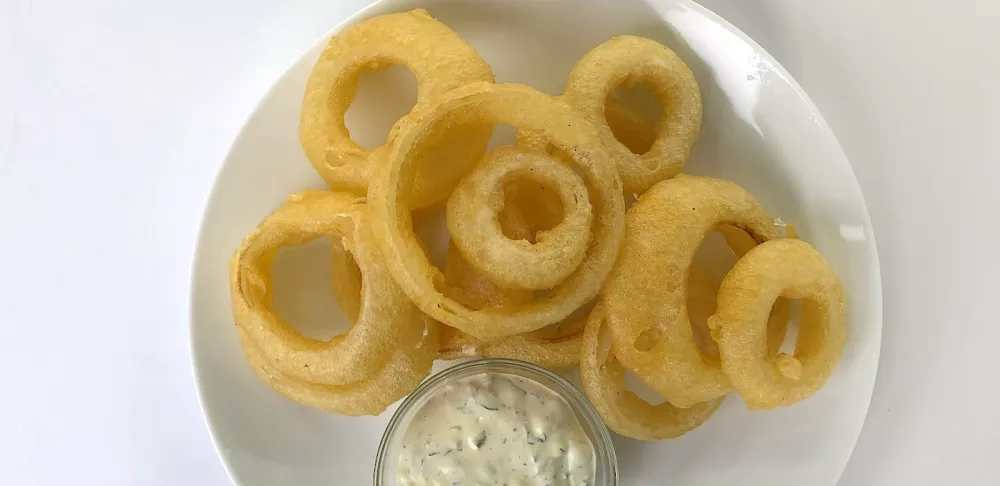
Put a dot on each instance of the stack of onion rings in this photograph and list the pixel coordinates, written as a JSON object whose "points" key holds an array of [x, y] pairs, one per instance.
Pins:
{"points": [[665, 227], [543, 264], [522, 107], [529, 209]]}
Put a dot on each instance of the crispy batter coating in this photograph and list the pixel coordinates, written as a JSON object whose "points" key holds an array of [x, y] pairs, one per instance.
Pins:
{"points": [[780, 268]]}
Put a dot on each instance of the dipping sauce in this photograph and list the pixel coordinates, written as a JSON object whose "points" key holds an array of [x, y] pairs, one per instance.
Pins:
{"points": [[496, 429]]}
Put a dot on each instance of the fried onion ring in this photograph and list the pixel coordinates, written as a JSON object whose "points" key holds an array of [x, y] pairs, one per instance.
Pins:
{"points": [[646, 294], [526, 108], [438, 58], [624, 412], [474, 225], [405, 369], [795, 270], [625, 61], [387, 320]]}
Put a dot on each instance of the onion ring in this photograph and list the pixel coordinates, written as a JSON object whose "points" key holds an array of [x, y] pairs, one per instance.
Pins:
{"points": [[646, 294], [793, 269], [624, 412], [386, 322], [522, 107], [625, 61], [473, 222], [438, 58], [402, 373]]}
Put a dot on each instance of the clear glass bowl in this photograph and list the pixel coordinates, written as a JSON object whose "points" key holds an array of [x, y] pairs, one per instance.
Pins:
{"points": [[606, 473]]}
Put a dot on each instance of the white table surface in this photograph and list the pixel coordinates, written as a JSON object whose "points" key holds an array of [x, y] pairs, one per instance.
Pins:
{"points": [[115, 116]]}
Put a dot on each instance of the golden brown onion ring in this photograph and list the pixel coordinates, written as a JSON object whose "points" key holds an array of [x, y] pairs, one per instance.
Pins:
{"points": [[473, 222], [386, 322], [522, 107], [624, 412], [646, 294], [625, 61], [795, 270], [405, 369], [438, 58]]}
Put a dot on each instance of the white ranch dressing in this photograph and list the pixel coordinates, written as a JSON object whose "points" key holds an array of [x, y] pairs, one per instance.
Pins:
{"points": [[496, 429]]}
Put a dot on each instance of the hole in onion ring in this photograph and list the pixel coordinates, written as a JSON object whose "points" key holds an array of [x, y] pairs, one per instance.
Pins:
{"points": [[303, 290], [383, 96], [792, 334], [634, 126], [432, 232], [635, 385], [503, 134], [648, 339], [523, 195], [347, 282], [529, 207], [431, 229]]}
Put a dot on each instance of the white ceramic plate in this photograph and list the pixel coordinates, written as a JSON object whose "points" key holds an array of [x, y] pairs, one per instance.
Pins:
{"points": [[760, 130]]}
